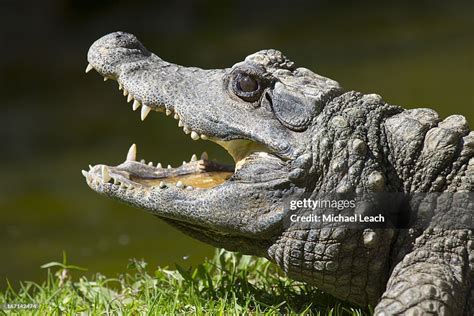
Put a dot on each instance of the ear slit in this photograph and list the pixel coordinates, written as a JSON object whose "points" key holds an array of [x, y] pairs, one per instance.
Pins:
{"points": [[293, 110]]}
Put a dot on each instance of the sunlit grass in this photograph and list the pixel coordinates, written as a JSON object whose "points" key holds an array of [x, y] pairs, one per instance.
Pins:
{"points": [[229, 284]]}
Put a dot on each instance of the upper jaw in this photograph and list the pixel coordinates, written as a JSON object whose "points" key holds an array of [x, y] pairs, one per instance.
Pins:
{"points": [[139, 92], [152, 92]]}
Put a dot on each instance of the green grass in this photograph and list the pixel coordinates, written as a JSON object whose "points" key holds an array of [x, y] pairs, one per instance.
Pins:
{"points": [[229, 284]]}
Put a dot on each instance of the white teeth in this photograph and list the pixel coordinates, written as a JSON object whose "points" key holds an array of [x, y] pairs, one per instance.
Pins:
{"points": [[180, 123], [116, 181], [135, 105], [203, 136], [169, 167], [194, 157], [184, 162], [89, 68], [194, 135], [145, 111], [105, 174], [105, 78], [189, 188], [85, 173], [204, 156], [150, 164], [162, 185], [179, 184], [142, 161], [159, 165], [132, 153], [186, 130], [176, 116], [129, 98], [125, 92], [90, 167], [168, 112], [120, 86]]}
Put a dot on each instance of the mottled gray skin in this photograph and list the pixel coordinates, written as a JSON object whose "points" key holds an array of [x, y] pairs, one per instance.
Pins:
{"points": [[300, 135]]}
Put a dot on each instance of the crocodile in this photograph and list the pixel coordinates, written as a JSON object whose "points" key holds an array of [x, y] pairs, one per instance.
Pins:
{"points": [[299, 139]]}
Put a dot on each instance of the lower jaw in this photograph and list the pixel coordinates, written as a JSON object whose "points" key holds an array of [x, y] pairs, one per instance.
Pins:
{"points": [[202, 173], [199, 174]]}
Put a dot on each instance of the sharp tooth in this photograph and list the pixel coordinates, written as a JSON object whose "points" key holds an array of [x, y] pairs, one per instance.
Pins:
{"points": [[179, 184], [168, 112], [180, 123], [159, 165], [176, 116], [150, 163], [162, 185], [186, 130], [203, 137], [143, 161], [85, 173], [90, 167], [120, 86], [194, 135], [132, 153], [145, 111], [204, 156], [105, 174], [89, 68], [116, 181], [129, 98], [125, 92], [135, 105], [189, 188], [169, 167], [105, 78], [184, 162], [194, 157]]}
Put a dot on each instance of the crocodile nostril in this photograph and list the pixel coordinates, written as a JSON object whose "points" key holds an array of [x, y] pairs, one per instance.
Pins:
{"points": [[131, 45]]}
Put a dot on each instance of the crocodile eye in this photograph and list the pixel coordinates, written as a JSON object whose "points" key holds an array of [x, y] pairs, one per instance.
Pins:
{"points": [[247, 87], [247, 84]]}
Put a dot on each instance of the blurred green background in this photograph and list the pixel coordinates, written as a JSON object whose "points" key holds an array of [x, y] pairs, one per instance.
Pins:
{"points": [[55, 120]]}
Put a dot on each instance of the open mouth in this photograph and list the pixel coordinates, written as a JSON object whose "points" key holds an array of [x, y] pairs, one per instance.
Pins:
{"points": [[197, 173]]}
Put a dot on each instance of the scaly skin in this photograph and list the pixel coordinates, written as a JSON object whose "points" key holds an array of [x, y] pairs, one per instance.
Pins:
{"points": [[295, 135]]}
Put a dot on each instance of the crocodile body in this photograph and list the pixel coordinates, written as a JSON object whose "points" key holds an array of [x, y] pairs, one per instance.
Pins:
{"points": [[298, 136]]}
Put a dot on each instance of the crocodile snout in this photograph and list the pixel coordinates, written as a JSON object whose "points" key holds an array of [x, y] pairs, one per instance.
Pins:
{"points": [[110, 52]]}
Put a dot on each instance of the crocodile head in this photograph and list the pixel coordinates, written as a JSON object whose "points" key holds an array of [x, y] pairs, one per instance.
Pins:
{"points": [[257, 110]]}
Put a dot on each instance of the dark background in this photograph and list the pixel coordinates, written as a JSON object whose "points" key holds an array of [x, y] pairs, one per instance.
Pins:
{"points": [[55, 120]]}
